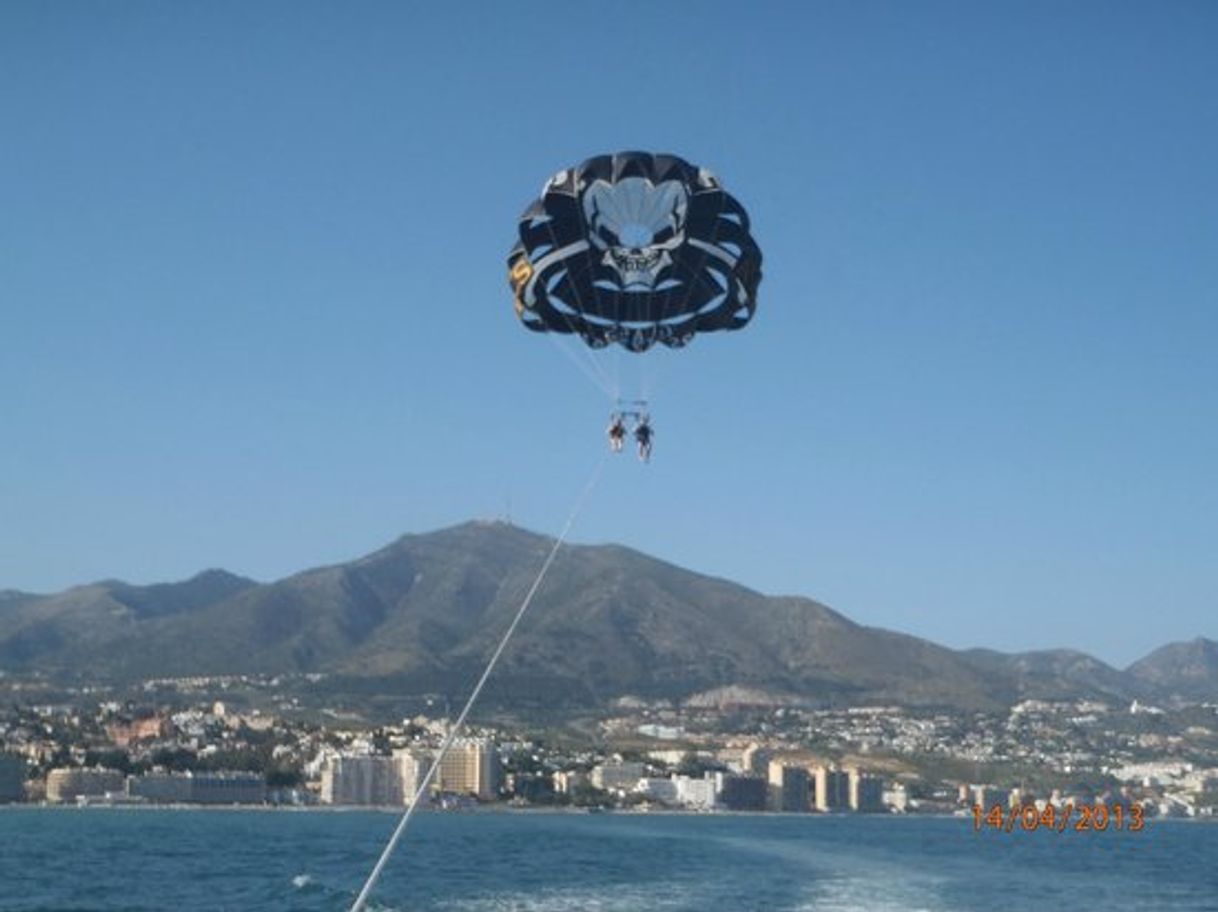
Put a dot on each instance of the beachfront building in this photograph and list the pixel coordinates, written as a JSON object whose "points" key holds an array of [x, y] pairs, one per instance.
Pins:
{"points": [[161, 787], [228, 788], [831, 789], [696, 794], [866, 792], [69, 783], [741, 793], [471, 767], [567, 782], [663, 791], [412, 770], [788, 787], [896, 798], [621, 776], [369, 781]]}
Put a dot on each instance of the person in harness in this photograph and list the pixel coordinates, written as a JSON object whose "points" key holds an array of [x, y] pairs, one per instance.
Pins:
{"points": [[617, 432], [643, 435]]}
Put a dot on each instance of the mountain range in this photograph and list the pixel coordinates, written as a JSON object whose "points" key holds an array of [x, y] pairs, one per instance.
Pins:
{"points": [[422, 615]]}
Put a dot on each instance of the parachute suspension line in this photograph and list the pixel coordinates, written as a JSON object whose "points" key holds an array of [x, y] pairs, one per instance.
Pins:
{"points": [[576, 509], [605, 382], [638, 369], [590, 364], [649, 368], [596, 376]]}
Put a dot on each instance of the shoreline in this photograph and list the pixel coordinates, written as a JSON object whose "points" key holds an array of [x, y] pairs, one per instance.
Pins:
{"points": [[519, 811]]}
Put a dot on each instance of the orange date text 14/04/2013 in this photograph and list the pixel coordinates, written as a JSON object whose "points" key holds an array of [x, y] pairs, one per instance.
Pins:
{"points": [[1060, 818]]}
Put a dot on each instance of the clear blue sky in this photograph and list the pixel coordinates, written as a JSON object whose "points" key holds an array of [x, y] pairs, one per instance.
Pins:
{"points": [[253, 308]]}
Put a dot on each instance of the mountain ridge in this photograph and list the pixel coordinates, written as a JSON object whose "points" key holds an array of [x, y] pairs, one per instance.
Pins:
{"points": [[423, 613]]}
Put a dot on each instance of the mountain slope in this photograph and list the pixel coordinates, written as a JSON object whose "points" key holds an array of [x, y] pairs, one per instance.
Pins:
{"points": [[423, 614], [1189, 669], [1056, 674], [73, 630]]}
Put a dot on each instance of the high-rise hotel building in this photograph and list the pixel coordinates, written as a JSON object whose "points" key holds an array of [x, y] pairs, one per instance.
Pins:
{"points": [[832, 789], [371, 780], [471, 767]]}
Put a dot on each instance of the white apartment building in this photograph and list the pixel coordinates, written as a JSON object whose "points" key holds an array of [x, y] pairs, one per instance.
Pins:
{"points": [[619, 776]]}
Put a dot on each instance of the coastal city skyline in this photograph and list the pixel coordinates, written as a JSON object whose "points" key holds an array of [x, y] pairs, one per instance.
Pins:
{"points": [[863, 759]]}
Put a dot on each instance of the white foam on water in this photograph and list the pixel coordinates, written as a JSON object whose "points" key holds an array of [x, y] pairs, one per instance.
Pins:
{"points": [[882, 891], [300, 881], [607, 898]]}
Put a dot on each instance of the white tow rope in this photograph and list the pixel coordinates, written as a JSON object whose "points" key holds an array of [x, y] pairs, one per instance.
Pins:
{"points": [[362, 899]]}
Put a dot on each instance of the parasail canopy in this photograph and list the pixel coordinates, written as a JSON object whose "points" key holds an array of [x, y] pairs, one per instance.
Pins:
{"points": [[636, 249]]}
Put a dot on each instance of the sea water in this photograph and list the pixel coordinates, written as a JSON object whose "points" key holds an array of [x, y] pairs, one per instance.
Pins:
{"points": [[98, 860]]}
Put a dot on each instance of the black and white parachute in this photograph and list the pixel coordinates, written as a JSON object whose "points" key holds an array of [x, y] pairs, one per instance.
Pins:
{"points": [[637, 249]]}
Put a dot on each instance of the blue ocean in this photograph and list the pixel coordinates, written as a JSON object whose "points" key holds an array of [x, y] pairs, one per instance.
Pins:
{"points": [[98, 860]]}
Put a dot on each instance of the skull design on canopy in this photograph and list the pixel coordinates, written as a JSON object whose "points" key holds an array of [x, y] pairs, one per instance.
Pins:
{"points": [[637, 224]]}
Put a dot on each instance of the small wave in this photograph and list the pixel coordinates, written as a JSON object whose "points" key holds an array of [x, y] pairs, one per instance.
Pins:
{"points": [[654, 898]]}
